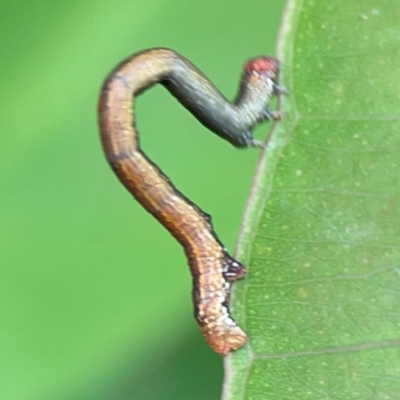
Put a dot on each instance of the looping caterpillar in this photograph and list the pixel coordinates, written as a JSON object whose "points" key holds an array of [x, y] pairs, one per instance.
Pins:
{"points": [[213, 270]]}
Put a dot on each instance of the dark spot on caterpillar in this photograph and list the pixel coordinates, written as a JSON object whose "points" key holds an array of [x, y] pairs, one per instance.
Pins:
{"points": [[233, 270]]}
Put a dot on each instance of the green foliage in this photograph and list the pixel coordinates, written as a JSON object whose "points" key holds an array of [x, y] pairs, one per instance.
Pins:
{"points": [[94, 293], [322, 233]]}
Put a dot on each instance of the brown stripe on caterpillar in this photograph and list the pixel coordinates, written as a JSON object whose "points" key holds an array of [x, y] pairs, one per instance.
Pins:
{"points": [[213, 270]]}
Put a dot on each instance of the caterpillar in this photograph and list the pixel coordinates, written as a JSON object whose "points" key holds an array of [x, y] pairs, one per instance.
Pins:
{"points": [[213, 269]]}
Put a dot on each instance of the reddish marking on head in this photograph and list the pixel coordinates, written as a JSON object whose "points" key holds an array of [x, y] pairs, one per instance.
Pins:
{"points": [[262, 65]]}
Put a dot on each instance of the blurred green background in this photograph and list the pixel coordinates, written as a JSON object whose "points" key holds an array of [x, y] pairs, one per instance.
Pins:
{"points": [[95, 294]]}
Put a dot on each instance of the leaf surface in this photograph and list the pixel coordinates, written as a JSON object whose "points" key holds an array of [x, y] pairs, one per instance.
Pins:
{"points": [[321, 232]]}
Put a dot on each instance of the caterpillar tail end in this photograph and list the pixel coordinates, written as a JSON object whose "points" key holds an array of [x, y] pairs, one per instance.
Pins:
{"points": [[223, 342]]}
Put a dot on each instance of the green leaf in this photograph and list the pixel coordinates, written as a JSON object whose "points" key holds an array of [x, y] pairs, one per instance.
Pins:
{"points": [[321, 236]]}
